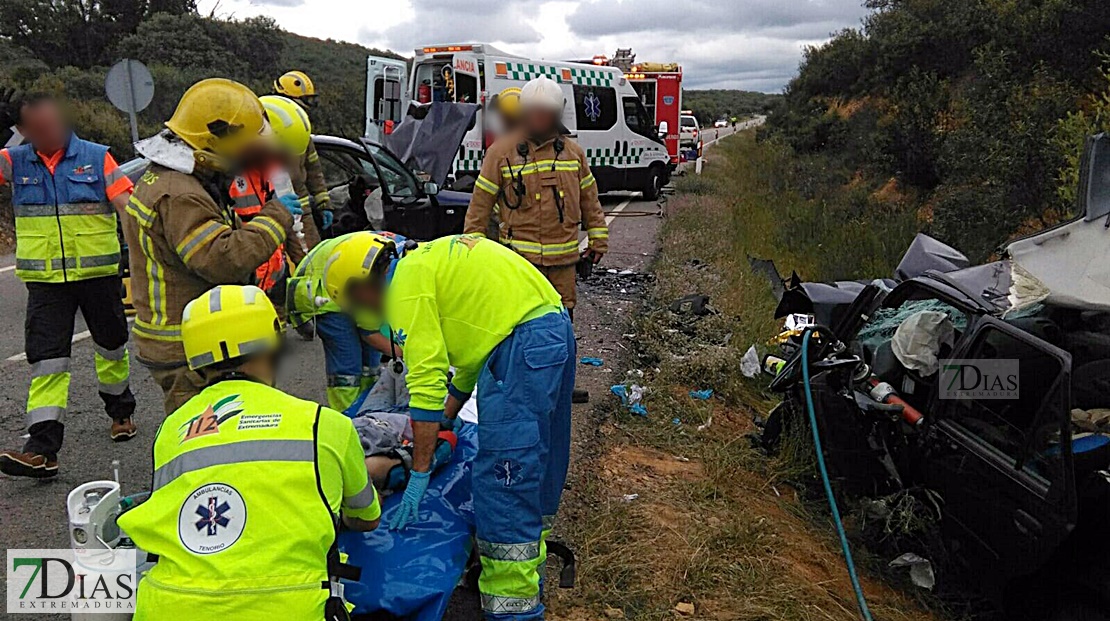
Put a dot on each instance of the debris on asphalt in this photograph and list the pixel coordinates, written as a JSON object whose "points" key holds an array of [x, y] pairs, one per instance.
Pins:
{"points": [[592, 361], [749, 364], [624, 284], [921, 570], [701, 395], [694, 304], [684, 608]]}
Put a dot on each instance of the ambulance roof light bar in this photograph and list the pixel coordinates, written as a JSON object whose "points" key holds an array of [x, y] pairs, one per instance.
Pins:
{"points": [[439, 49]]}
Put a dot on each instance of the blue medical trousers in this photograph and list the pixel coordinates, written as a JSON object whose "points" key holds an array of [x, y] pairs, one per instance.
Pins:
{"points": [[524, 404], [351, 364]]}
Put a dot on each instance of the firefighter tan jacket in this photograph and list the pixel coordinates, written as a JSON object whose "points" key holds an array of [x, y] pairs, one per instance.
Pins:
{"points": [[308, 181], [182, 243], [542, 198]]}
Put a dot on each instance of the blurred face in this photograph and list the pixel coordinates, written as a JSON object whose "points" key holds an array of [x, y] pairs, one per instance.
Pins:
{"points": [[366, 295], [540, 122], [44, 125], [260, 154]]}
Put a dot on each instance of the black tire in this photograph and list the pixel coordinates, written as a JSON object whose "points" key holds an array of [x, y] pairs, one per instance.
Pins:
{"points": [[654, 184]]}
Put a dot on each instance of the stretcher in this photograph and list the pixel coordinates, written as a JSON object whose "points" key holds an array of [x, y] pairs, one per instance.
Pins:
{"points": [[411, 574]]}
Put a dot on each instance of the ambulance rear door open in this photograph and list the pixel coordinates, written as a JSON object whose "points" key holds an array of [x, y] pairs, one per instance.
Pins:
{"points": [[387, 92]]}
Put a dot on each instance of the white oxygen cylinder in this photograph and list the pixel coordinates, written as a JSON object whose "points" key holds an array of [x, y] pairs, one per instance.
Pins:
{"points": [[93, 534]]}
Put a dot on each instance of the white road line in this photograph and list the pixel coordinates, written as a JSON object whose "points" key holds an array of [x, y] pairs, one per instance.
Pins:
{"points": [[7, 269], [80, 336], [608, 220]]}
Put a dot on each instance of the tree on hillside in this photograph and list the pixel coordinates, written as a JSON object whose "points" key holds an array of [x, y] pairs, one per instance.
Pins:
{"points": [[961, 101], [81, 33]]}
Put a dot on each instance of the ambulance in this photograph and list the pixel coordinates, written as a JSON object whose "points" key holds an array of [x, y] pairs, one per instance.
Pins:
{"points": [[604, 113]]}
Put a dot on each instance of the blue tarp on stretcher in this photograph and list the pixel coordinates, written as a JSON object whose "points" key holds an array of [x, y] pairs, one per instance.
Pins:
{"points": [[412, 573]]}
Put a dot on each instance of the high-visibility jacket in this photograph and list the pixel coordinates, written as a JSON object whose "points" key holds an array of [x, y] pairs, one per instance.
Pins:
{"points": [[248, 193], [182, 243], [247, 489], [65, 225], [542, 198], [450, 303]]}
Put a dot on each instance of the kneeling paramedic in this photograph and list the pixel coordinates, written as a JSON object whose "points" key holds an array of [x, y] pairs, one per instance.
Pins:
{"points": [[353, 342], [249, 482], [471, 303]]}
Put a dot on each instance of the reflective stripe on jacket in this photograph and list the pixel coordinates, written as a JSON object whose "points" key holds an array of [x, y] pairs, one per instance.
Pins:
{"points": [[65, 226], [543, 199], [247, 489]]}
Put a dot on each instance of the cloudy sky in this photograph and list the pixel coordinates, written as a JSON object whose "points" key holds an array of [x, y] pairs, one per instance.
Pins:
{"points": [[749, 44]]}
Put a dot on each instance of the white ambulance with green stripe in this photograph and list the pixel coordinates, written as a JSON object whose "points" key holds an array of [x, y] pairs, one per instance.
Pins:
{"points": [[603, 113]]}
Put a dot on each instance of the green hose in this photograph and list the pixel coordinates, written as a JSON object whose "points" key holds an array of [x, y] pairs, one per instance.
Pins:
{"points": [[860, 600]]}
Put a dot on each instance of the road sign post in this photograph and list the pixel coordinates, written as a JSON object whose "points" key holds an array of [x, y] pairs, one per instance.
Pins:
{"points": [[130, 87]]}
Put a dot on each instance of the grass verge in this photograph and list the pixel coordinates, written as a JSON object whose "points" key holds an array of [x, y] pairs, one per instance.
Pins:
{"points": [[686, 520]]}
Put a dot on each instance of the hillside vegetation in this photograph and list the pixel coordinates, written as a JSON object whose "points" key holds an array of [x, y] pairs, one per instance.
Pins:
{"points": [[66, 47], [972, 112], [713, 104]]}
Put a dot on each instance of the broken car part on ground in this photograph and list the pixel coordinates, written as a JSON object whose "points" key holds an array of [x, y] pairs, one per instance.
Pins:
{"points": [[982, 388]]}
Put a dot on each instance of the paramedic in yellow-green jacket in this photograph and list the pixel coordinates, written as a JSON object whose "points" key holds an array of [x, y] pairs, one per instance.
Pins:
{"points": [[249, 483], [471, 303]]}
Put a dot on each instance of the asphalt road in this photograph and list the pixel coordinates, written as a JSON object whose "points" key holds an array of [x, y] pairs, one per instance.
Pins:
{"points": [[32, 513]]}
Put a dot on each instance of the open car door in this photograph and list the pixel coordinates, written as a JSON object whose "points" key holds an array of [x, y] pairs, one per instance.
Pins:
{"points": [[387, 87], [1001, 459]]}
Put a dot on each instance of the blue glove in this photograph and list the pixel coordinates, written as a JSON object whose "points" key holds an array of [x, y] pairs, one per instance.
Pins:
{"points": [[328, 217], [410, 502], [292, 204]]}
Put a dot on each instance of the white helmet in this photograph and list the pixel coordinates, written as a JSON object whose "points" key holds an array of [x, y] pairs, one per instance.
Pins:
{"points": [[542, 93]]}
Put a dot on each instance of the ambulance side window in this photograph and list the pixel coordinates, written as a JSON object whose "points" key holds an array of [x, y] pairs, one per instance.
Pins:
{"points": [[595, 107], [636, 117]]}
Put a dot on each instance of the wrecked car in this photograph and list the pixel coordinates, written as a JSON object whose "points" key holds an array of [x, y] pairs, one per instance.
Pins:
{"points": [[989, 387]]}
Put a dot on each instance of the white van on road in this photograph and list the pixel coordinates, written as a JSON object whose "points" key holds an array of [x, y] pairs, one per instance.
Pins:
{"points": [[603, 113]]}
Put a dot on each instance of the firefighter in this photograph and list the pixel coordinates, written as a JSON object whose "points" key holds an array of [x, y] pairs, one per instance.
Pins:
{"points": [[182, 233], [65, 195], [467, 302], [249, 482], [250, 189], [540, 183], [353, 342], [308, 176]]}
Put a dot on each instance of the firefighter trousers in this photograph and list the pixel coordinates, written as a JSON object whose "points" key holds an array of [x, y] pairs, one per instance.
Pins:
{"points": [[48, 333], [562, 277], [524, 396], [350, 363]]}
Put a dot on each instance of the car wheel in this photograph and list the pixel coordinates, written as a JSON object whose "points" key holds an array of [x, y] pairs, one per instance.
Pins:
{"points": [[654, 184]]}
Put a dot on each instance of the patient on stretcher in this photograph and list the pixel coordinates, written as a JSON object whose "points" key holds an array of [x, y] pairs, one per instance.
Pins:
{"points": [[385, 431]]}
